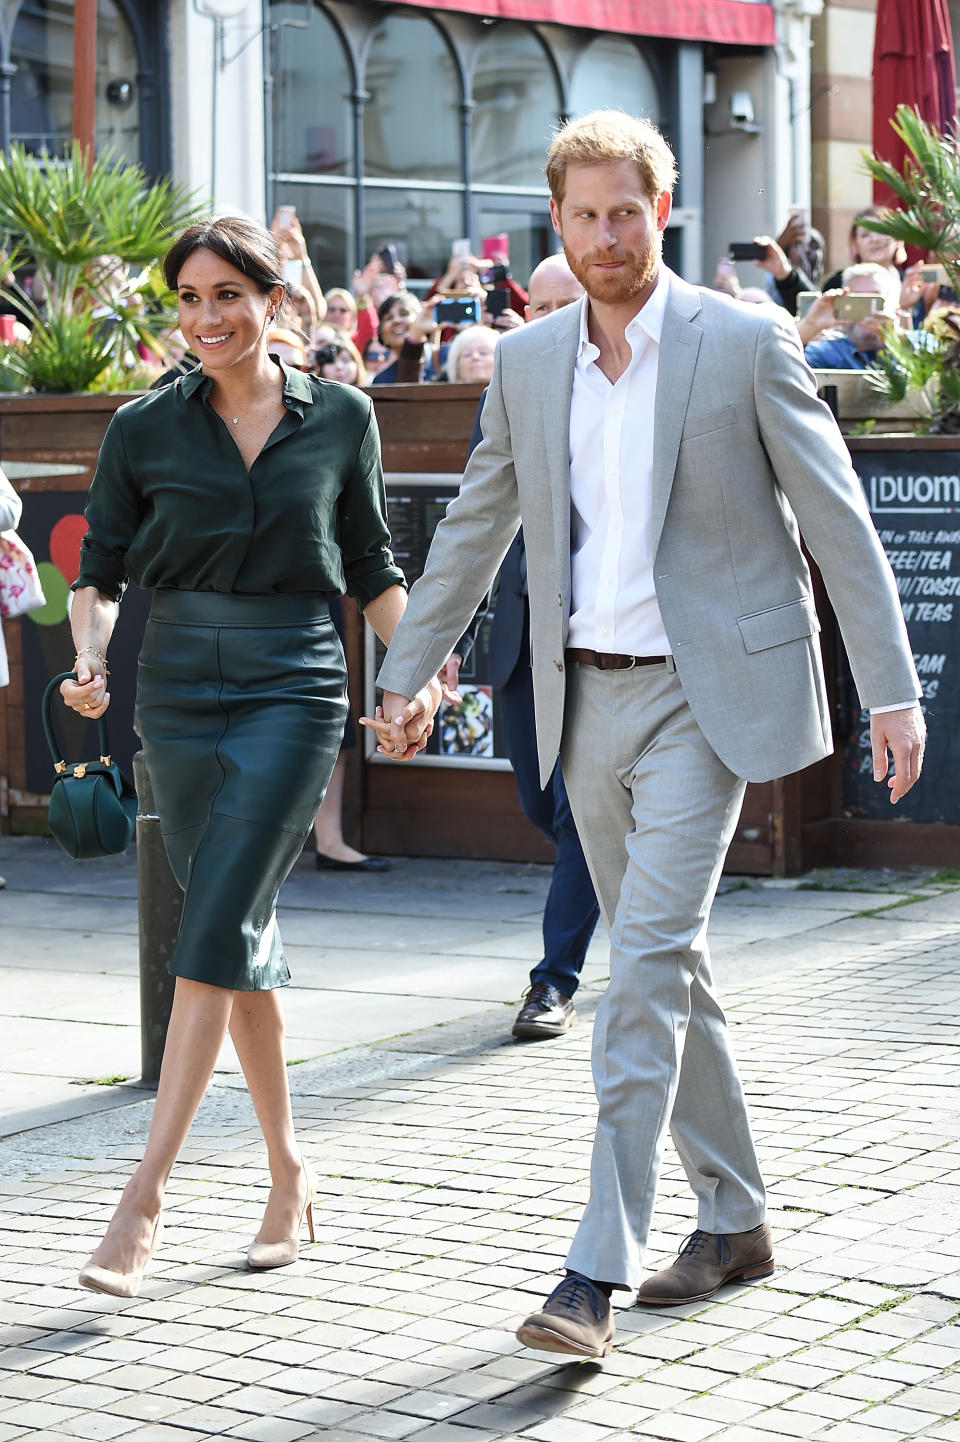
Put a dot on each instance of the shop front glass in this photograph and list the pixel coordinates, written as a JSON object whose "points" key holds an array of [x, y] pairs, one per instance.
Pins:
{"points": [[41, 90], [312, 130], [516, 108], [411, 122]]}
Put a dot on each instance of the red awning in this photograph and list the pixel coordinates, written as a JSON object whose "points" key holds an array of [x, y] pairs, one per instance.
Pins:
{"points": [[727, 22]]}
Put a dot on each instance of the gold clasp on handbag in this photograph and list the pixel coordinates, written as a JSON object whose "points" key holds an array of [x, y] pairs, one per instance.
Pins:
{"points": [[80, 771], [105, 760], [60, 767]]}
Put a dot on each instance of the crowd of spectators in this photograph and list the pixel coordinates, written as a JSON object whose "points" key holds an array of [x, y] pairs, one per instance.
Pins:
{"points": [[377, 331], [838, 333]]}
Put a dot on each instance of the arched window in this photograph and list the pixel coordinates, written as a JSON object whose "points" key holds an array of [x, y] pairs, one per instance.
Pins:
{"points": [[312, 131], [41, 90], [411, 123], [612, 72], [517, 105]]}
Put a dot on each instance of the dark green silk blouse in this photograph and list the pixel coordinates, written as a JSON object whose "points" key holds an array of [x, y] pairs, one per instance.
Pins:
{"points": [[171, 503]]}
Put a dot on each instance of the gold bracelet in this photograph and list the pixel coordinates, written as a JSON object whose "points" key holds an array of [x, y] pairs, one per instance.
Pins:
{"points": [[93, 652]]}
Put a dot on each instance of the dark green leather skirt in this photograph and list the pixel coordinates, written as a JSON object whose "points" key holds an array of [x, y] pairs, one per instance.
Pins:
{"points": [[241, 702]]}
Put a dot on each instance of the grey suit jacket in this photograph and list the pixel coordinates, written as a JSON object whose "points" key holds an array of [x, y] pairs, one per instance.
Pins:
{"points": [[743, 452]]}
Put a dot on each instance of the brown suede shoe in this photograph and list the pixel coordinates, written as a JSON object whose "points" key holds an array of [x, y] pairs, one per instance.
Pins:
{"points": [[706, 1263], [545, 1012], [577, 1319]]}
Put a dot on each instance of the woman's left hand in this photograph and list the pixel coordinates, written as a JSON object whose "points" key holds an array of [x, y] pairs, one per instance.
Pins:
{"points": [[88, 695]]}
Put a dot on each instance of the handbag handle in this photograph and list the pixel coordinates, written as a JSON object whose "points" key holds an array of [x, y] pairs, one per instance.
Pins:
{"points": [[46, 716]]}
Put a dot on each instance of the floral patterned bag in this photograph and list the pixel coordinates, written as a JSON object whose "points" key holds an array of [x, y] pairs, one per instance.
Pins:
{"points": [[20, 588]]}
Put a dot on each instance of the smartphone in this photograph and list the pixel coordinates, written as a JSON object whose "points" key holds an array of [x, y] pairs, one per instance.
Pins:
{"points": [[293, 272], [460, 248], [494, 245], [497, 302], [857, 306], [934, 275], [805, 300], [747, 250], [389, 258], [285, 217], [725, 266], [462, 310]]}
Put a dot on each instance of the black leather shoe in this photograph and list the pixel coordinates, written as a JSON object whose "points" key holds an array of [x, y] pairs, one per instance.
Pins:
{"points": [[576, 1319], [366, 863], [545, 1012]]}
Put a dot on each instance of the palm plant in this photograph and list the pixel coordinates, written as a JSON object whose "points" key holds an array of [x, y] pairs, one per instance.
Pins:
{"points": [[76, 223], [928, 192]]}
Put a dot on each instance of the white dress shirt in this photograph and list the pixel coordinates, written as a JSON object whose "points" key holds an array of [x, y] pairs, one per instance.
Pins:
{"points": [[613, 601]]}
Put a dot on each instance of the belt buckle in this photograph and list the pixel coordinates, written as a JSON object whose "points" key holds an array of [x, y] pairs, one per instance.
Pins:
{"points": [[633, 662]]}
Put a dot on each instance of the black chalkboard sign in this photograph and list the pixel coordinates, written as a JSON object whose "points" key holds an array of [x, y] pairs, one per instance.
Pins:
{"points": [[914, 498], [471, 734]]}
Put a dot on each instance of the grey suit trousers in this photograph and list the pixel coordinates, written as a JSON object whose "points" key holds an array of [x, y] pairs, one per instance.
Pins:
{"points": [[656, 810]]}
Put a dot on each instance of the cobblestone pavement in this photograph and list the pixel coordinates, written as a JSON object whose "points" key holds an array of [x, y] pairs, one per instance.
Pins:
{"points": [[451, 1179]]}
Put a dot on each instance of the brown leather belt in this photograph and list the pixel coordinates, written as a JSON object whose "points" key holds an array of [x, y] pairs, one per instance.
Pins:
{"points": [[610, 660]]}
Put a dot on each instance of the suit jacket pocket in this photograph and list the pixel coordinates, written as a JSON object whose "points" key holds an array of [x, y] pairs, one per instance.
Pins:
{"points": [[792, 621], [705, 425]]}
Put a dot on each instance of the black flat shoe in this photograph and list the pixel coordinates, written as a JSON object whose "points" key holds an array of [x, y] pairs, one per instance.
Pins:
{"points": [[368, 863]]}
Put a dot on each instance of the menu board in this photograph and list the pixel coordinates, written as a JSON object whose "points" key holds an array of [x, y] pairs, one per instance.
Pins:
{"points": [[470, 734], [914, 498]]}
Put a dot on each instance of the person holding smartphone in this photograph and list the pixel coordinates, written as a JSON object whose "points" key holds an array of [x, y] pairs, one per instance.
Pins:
{"points": [[854, 344], [297, 266]]}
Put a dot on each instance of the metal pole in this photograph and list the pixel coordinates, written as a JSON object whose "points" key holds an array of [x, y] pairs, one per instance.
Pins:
{"points": [[159, 904]]}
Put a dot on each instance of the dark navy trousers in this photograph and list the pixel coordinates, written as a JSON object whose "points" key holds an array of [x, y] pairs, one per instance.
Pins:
{"points": [[571, 910]]}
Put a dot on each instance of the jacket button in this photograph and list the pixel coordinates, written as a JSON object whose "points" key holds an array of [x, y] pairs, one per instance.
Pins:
{"points": [[559, 598]]}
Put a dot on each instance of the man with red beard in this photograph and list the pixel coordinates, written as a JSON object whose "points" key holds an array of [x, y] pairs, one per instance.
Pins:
{"points": [[664, 448]]}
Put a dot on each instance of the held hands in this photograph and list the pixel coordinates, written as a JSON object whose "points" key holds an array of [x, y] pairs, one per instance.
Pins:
{"points": [[403, 726], [88, 695], [903, 734]]}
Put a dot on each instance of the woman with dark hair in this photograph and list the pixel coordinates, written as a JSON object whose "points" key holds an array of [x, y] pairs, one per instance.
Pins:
{"points": [[244, 493], [405, 326]]}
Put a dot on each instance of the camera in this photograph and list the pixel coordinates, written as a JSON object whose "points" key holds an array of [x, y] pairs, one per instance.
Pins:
{"points": [[747, 250], [857, 306], [934, 275], [460, 310]]}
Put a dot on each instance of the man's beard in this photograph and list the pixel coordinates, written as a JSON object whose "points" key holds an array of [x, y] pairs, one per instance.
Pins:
{"points": [[637, 274]]}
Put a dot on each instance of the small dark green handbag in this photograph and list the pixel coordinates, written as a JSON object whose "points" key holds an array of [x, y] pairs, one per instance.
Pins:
{"points": [[93, 807]]}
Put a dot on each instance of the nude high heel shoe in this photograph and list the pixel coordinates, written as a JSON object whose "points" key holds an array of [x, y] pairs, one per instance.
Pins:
{"points": [[263, 1255], [118, 1284]]}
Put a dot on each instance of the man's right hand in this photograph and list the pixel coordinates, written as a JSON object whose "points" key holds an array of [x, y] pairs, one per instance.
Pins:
{"points": [[403, 725]]}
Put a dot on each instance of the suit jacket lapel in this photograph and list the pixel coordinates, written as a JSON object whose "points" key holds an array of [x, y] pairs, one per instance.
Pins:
{"points": [[679, 347], [555, 388]]}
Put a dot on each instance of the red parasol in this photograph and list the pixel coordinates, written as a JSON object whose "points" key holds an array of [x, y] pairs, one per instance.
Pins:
{"points": [[912, 65]]}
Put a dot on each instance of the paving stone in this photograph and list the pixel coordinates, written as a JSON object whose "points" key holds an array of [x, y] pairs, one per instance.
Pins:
{"points": [[453, 1168]]}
